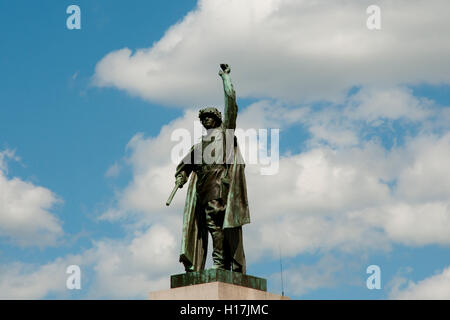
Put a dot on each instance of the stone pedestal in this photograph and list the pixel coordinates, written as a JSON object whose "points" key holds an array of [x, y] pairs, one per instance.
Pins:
{"points": [[214, 284]]}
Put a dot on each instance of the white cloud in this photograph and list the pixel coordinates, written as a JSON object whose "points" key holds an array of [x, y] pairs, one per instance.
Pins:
{"points": [[436, 287], [334, 136], [25, 216], [349, 197], [370, 104], [113, 171], [371, 111], [342, 192], [287, 49], [30, 281], [153, 175], [410, 224], [328, 272], [128, 268], [427, 174], [312, 199], [325, 199], [332, 196], [133, 268]]}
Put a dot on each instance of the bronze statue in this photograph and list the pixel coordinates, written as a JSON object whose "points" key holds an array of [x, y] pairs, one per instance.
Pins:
{"points": [[216, 200]]}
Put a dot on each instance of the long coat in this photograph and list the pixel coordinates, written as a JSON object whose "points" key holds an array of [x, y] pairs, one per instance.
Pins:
{"points": [[194, 235]]}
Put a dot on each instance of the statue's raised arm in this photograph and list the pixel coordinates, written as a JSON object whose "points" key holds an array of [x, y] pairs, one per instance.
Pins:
{"points": [[231, 108]]}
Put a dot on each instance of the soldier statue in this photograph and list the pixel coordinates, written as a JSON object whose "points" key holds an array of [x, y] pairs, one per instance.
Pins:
{"points": [[216, 200]]}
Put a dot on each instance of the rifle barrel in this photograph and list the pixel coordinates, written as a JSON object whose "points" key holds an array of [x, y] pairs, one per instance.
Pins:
{"points": [[172, 194]]}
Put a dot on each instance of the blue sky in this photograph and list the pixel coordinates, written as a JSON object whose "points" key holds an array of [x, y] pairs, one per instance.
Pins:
{"points": [[56, 123], [85, 144]]}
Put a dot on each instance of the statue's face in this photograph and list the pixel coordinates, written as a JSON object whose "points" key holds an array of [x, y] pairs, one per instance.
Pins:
{"points": [[208, 122]]}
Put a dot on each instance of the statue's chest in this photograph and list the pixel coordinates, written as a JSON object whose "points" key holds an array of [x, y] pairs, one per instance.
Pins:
{"points": [[212, 148]]}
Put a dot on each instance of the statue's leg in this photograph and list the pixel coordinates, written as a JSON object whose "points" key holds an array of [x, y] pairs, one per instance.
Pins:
{"points": [[215, 212], [234, 243], [202, 239]]}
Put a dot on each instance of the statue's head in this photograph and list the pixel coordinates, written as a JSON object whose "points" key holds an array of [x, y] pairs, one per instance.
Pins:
{"points": [[210, 117]]}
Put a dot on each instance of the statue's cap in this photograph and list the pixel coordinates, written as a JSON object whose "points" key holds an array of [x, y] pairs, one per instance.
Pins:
{"points": [[210, 111]]}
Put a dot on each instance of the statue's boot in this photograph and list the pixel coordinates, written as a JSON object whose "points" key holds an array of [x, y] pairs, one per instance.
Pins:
{"points": [[235, 250]]}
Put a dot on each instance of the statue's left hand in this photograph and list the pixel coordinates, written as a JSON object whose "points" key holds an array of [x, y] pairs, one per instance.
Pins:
{"points": [[225, 69]]}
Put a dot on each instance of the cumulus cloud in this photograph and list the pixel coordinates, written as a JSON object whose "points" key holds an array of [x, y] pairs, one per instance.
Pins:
{"points": [[153, 174], [371, 104], [287, 49], [436, 287], [126, 268], [31, 281], [312, 199], [343, 198], [25, 217], [427, 176], [368, 113], [347, 197], [328, 272], [346, 190], [132, 268]]}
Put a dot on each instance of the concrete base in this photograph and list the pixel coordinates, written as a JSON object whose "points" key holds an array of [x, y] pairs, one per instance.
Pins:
{"points": [[214, 291]]}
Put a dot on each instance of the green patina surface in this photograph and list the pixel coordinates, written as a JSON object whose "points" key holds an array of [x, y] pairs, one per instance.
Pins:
{"points": [[213, 275]]}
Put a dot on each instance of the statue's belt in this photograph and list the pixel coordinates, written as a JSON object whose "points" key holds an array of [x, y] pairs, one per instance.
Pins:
{"points": [[209, 167]]}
